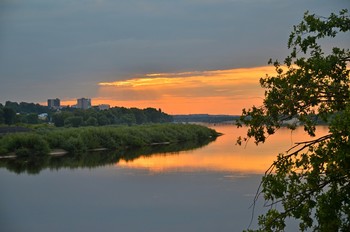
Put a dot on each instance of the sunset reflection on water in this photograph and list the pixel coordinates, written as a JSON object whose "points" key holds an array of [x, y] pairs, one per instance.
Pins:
{"points": [[223, 154]]}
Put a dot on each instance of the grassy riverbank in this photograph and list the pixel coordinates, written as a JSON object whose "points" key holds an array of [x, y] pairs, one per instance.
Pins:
{"points": [[42, 141]]}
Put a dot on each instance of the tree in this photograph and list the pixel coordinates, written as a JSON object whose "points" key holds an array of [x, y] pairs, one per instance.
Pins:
{"points": [[59, 118], [32, 118], [74, 121], [12, 105], [9, 115], [103, 120], [310, 182], [2, 119], [91, 121]]}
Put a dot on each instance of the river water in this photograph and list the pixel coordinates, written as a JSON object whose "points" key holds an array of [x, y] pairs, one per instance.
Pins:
{"points": [[206, 189]]}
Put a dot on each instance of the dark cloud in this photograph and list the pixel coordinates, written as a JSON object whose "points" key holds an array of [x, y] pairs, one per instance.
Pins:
{"points": [[63, 48]]}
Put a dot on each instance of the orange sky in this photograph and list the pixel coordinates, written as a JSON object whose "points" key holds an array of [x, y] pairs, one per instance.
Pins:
{"points": [[213, 92]]}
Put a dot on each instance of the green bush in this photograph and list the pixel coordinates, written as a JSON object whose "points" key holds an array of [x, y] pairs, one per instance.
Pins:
{"points": [[74, 145], [25, 144]]}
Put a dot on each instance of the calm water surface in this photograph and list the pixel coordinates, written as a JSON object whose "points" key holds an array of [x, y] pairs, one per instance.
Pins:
{"points": [[207, 189]]}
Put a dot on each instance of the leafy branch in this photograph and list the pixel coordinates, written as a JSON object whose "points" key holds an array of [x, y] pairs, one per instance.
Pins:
{"points": [[310, 181]]}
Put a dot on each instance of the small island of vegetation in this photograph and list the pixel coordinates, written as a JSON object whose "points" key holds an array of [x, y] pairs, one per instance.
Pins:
{"points": [[42, 141]]}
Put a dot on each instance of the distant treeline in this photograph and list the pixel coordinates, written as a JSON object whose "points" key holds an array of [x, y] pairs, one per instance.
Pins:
{"points": [[206, 118], [41, 141], [14, 113], [71, 117]]}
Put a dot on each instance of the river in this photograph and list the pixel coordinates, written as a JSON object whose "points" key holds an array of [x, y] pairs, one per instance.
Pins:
{"points": [[206, 189]]}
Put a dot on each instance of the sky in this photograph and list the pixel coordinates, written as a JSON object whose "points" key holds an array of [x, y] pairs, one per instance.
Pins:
{"points": [[183, 56]]}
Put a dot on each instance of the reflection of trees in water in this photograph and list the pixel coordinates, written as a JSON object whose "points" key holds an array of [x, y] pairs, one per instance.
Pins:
{"points": [[93, 159]]}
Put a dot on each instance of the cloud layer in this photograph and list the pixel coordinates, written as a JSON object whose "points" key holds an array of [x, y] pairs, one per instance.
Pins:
{"points": [[219, 91], [51, 48]]}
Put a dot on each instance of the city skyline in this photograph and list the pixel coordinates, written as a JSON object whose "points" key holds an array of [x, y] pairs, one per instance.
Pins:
{"points": [[186, 56]]}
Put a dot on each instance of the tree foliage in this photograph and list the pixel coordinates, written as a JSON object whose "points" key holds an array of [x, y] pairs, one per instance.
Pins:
{"points": [[115, 115], [9, 116], [14, 113], [310, 182], [25, 107]]}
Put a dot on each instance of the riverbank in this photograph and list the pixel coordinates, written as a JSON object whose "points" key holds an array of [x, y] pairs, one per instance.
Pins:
{"points": [[76, 140]]}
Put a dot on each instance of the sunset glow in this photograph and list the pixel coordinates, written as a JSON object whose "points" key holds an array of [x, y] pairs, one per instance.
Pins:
{"points": [[213, 92]]}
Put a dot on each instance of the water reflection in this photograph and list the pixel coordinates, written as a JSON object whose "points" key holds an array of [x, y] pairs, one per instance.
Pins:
{"points": [[224, 155], [122, 194], [94, 159], [221, 155]]}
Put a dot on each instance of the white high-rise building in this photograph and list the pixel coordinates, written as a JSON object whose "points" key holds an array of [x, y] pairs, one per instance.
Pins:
{"points": [[84, 103], [54, 103]]}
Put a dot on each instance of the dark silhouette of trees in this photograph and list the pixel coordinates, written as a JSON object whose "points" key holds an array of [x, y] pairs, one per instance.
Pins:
{"points": [[310, 182], [115, 115], [24, 112], [9, 115]]}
